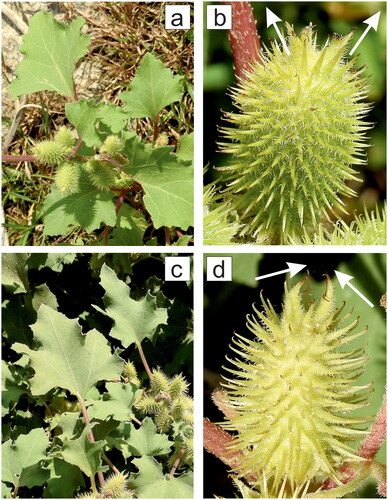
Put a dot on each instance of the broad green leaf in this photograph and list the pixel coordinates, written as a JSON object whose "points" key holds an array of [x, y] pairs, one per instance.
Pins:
{"points": [[130, 227], [43, 295], [66, 358], [51, 51], [64, 480], [153, 88], [150, 482], [85, 115], [82, 453], [134, 320], [6, 492], [88, 208], [70, 423], [146, 441], [185, 149], [20, 459], [55, 261], [117, 402], [14, 272], [166, 180]]}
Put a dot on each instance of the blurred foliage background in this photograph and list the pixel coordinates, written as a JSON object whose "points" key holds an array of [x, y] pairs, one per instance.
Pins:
{"points": [[226, 305], [328, 18]]}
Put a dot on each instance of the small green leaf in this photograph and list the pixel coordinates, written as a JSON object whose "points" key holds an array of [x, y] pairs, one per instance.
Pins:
{"points": [[51, 50], [82, 453], [146, 441], [20, 459], [150, 482], [130, 227], [14, 272], [134, 320], [117, 402], [64, 480], [66, 358], [84, 115], [153, 88], [88, 208], [185, 149], [55, 261]]}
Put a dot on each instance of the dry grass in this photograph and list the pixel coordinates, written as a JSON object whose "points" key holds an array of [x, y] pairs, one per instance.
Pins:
{"points": [[121, 34]]}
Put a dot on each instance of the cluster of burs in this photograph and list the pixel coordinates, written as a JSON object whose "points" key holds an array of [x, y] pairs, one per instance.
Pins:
{"points": [[103, 174]]}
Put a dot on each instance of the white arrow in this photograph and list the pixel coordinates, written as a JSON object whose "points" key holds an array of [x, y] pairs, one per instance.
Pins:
{"points": [[344, 279], [372, 22], [292, 269], [273, 19]]}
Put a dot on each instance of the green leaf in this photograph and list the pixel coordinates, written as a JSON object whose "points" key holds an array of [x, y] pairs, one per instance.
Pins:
{"points": [[20, 459], [146, 441], [14, 272], [55, 261], [134, 320], [153, 88], [85, 115], [166, 180], [51, 50], [130, 227], [150, 482], [185, 149], [11, 388], [64, 480], [88, 208], [82, 453], [15, 321], [117, 402], [66, 358]]}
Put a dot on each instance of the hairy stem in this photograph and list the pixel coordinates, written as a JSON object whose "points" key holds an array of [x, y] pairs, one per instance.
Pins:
{"points": [[372, 443], [176, 463], [17, 158], [106, 460], [91, 436], [143, 358], [156, 128], [217, 441], [243, 37], [167, 236]]}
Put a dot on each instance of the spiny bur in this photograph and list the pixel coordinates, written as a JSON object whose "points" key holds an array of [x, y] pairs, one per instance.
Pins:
{"points": [[67, 176], [101, 174], [49, 152], [64, 138], [112, 145], [291, 392], [299, 131]]}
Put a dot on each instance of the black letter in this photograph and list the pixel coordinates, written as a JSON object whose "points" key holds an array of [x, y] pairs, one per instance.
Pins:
{"points": [[173, 273], [177, 23], [216, 17], [222, 270]]}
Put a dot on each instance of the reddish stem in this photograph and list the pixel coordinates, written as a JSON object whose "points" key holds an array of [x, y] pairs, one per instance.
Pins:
{"points": [[176, 463], [167, 236], [143, 358], [217, 441], [243, 37], [18, 158], [156, 128], [373, 441], [91, 436]]}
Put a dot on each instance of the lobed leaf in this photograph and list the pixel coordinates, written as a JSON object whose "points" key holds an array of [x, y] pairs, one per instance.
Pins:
{"points": [[66, 358], [153, 88], [167, 182], [20, 459], [51, 51], [145, 441], [134, 320]]}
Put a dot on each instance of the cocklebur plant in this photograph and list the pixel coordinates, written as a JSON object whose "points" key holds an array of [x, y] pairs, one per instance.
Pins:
{"points": [[75, 431], [289, 397], [295, 140], [105, 176]]}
